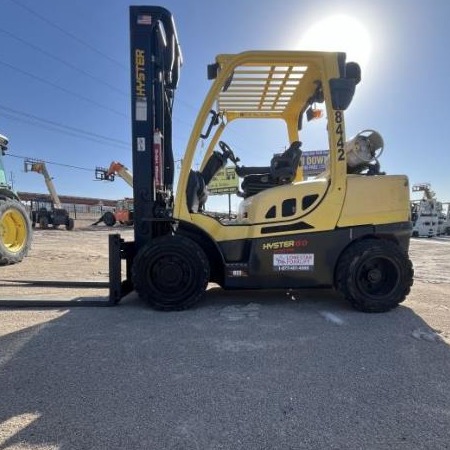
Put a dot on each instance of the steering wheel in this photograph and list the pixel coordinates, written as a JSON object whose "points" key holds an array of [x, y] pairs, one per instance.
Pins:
{"points": [[228, 153]]}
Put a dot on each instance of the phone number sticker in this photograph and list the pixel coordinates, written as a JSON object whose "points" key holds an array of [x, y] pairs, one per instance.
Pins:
{"points": [[293, 261]]}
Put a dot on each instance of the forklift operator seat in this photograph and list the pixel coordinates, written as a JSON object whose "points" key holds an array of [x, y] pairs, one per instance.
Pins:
{"points": [[282, 170]]}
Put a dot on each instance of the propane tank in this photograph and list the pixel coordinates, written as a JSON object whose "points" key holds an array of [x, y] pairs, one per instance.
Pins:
{"points": [[362, 150]]}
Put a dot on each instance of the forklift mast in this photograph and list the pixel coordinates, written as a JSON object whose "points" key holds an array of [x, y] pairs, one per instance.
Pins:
{"points": [[155, 64]]}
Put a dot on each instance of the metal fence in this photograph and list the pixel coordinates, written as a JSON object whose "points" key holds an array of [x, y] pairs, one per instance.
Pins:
{"points": [[79, 211]]}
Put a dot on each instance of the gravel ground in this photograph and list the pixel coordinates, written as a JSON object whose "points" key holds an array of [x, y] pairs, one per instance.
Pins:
{"points": [[242, 370]]}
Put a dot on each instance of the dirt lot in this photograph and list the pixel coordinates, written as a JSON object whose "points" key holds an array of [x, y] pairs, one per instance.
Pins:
{"points": [[242, 370], [77, 255], [82, 255]]}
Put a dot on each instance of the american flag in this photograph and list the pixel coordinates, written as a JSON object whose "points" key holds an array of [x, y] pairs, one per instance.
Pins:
{"points": [[144, 19]]}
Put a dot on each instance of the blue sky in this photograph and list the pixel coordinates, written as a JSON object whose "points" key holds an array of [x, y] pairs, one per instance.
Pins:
{"points": [[64, 80]]}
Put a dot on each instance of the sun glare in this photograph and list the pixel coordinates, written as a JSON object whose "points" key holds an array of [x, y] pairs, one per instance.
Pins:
{"points": [[339, 33]]}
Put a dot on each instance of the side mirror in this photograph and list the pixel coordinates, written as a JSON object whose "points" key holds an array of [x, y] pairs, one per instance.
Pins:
{"points": [[353, 72], [342, 89]]}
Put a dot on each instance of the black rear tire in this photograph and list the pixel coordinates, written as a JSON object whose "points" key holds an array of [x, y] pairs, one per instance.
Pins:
{"points": [[374, 275], [109, 219], [171, 273], [43, 222], [70, 224]]}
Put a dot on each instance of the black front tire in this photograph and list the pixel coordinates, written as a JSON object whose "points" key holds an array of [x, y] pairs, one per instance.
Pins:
{"points": [[109, 219], [171, 273], [374, 275]]}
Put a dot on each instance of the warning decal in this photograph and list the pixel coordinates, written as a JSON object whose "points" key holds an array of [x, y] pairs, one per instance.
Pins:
{"points": [[140, 144], [141, 109]]}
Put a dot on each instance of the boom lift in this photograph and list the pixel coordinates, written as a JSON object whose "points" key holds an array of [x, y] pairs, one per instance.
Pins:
{"points": [[115, 168], [43, 212], [124, 207], [348, 229], [424, 212], [15, 225]]}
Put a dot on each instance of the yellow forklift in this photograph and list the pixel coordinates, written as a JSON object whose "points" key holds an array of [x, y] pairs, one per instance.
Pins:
{"points": [[347, 228]]}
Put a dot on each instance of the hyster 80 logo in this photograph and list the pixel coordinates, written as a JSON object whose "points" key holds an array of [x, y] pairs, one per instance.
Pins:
{"points": [[139, 62], [285, 244]]}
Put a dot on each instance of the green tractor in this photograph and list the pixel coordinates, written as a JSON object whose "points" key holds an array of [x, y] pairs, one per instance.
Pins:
{"points": [[15, 224]]}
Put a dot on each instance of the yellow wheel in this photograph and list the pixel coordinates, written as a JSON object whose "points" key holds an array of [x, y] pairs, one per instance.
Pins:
{"points": [[15, 232]]}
